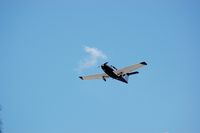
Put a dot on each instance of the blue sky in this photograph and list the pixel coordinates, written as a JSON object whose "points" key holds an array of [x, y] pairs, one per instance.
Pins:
{"points": [[42, 43]]}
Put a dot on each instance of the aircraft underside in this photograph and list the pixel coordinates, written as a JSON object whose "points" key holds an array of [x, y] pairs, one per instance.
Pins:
{"points": [[118, 74], [114, 76]]}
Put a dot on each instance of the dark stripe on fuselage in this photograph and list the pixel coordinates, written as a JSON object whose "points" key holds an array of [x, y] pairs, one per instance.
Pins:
{"points": [[108, 70]]}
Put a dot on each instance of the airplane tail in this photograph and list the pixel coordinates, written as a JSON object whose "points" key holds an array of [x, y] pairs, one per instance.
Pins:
{"points": [[126, 76]]}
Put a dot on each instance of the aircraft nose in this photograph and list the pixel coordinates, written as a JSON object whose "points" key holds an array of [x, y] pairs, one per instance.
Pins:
{"points": [[102, 66]]}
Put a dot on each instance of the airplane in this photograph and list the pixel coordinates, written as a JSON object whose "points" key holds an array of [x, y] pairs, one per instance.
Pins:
{"points": [[112, 72]]}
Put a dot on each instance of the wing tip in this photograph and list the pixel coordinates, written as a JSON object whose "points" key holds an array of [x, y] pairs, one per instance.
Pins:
{"points": [[143, 63], [81, 77]]}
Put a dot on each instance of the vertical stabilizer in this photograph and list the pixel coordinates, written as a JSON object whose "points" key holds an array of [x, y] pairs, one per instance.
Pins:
{"points": [[126, 77]]}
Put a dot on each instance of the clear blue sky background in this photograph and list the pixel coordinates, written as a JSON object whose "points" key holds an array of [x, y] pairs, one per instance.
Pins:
{"points": [[41, 44]]}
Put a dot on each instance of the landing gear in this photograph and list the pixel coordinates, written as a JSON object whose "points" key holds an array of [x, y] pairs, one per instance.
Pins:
{"points": [[104, 78]]}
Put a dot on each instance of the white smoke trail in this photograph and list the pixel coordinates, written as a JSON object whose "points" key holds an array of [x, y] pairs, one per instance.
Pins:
{"points": [[94, 56]]}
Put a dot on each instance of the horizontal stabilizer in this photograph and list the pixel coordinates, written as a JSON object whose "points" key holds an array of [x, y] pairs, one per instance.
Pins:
{"points": [[132, 73]]}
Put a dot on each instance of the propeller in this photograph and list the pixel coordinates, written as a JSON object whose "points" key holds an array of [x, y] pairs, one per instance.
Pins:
{"points": [[105, 63]]}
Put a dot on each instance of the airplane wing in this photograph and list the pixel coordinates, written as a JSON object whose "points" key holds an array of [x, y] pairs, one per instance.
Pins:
{"points": [[129, 69], [96, 76]]}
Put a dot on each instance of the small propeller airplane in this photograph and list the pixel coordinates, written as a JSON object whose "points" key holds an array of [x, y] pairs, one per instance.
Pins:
{"points": [[118, 74]]}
